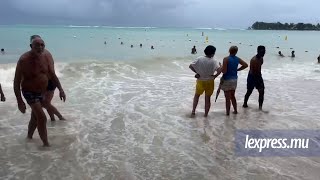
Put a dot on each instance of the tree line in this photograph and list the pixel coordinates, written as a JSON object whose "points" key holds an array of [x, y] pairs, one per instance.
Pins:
{"points": [[285, 26]]}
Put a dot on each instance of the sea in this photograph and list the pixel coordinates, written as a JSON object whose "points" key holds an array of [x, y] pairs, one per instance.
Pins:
{"points": [[128, 109]]}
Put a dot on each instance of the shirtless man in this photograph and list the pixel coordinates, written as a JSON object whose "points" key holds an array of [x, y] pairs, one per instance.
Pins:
{"points": [[52, 111], [254, 79], [32, 73]]}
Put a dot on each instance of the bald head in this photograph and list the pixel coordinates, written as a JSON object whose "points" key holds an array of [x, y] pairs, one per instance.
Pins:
{"points": [[233, 50]]}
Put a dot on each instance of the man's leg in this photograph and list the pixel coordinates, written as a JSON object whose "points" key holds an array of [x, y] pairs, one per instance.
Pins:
{"points": [[195, 103], [207, 105], [228, 103], [41, 122], [246, 98], [32, 125], [234, 101], [261, 98]]}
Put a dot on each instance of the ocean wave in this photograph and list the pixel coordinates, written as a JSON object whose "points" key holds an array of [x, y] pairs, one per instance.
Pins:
{"points": [[200, 28], [73, 26], [120, 27], [220, 29]]}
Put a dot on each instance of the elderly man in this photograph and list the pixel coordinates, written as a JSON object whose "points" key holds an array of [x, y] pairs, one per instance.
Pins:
{"points": [[52, 111], [32, 73]]}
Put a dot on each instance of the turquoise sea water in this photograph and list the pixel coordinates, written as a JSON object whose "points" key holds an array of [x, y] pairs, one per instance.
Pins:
{"points": [[128, 109]]}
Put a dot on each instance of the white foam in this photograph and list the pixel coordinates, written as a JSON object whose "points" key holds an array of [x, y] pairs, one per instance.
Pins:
{"points": [[130, 120]]}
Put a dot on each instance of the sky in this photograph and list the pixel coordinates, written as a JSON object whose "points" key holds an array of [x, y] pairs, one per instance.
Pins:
{"points": [[158, 13]]}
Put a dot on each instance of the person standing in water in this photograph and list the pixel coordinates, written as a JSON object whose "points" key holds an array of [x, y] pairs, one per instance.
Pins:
{"points": [[255, 79], [230, 77], [205, 67], [31, 77], [194, 50], [292, 54], [48, 95]]}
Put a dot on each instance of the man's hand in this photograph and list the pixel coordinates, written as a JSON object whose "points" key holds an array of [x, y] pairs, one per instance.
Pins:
{"points": [[3, 98], [197, 76], [22, 107], [62, 96]]}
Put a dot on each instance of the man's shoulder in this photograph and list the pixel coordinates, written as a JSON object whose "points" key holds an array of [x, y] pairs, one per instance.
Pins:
{"points": [[24, 56]]}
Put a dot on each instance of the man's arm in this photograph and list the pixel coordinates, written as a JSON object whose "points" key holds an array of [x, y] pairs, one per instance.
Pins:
{"points": [[52, 72], [3, 98], [17, 82], [53, 75], [1, 92], [192, 68], [243, 65]]}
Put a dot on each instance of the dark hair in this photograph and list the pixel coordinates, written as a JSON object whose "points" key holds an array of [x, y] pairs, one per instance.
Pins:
{"points": [[33, 37], [210, 50], [261, 48], [2, 49]]}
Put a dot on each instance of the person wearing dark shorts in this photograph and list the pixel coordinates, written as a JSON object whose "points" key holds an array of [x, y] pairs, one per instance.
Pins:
{"points": [[255, 79], [32, 97]]}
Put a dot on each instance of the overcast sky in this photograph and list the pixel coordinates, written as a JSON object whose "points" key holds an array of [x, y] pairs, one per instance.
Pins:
{"points": [[162, 13]]}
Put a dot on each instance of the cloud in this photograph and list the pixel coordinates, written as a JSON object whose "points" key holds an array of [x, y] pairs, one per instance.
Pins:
{"points": [[188, 13]]}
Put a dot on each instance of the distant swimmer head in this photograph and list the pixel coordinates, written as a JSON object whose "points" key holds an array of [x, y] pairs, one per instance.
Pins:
{"points": [[261, 50], [152, 47], [2, 50], [233, 50], [292, 54], [280, 53], [121, 42], [210, 51], [131, 46], [140, 45]]}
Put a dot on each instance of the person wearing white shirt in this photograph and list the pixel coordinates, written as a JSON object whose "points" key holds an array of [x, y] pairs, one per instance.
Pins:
{"points": [[205, 67]]}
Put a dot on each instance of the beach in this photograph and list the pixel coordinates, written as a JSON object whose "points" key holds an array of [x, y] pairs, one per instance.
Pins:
{"points": [[128, 109]]}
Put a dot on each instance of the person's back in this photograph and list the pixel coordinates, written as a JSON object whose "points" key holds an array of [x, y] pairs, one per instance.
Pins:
{"points": [[255, 66], [232, 69], [205, 67]]}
